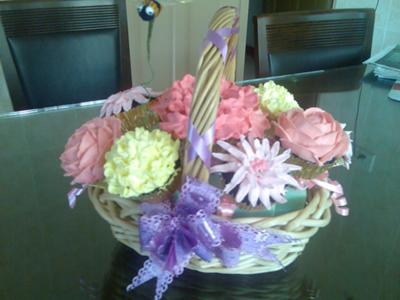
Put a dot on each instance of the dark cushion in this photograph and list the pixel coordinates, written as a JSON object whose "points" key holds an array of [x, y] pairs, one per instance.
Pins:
{"points": [[68, 67], [289, 62]]}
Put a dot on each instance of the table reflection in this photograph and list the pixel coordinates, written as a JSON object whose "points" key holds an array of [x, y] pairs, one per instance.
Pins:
{"points": [[282, 285]]}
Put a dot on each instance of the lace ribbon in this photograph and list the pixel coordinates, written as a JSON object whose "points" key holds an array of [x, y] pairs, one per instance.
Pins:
{"points": [[173, 235]]}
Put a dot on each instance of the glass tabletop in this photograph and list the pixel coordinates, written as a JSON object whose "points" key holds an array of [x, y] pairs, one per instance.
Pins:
{"points": [[49, 251]]}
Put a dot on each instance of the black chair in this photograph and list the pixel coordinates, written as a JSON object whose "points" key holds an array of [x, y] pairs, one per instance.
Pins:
{"points": [[62, 52], [301, 41]]}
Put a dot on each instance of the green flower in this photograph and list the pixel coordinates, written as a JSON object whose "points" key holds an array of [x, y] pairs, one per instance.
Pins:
{"points": [[140, 162], [275, 98]]}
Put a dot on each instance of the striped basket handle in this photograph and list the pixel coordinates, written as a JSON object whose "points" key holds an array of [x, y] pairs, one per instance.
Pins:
{"points": [[218, 59]]}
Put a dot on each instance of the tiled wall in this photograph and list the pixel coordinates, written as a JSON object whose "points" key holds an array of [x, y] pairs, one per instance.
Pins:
{"points": [[387, 20]]}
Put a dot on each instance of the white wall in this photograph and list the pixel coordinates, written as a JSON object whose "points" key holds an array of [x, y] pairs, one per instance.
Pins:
{"points": [[5, 101], [176, 40], [387, 20]]}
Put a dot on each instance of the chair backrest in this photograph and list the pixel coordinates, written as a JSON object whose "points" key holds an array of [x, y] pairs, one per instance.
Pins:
{"points": [[304, 41], [61, 52]]}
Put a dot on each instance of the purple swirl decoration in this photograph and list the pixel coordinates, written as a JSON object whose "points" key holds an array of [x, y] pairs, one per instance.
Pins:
{"points": [[173, 235], [200, 144]]}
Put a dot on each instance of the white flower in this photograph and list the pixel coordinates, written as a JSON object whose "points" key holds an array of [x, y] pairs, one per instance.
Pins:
{"points": [[123, 101], [259, 170]]}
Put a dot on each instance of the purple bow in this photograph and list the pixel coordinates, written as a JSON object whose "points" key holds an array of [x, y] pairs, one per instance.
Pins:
{"points": [[172, 236]]}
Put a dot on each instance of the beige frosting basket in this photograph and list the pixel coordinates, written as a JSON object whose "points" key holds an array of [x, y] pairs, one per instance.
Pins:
{"points": [[123, 214]]}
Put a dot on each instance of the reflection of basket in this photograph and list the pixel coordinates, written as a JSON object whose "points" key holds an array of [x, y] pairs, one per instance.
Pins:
{"points": [[123, 214], [281, 285]]}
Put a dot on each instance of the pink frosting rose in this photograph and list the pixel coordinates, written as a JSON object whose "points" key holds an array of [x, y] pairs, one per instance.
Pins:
{"points": [[313, 134], [238, 112], [83, 157]]}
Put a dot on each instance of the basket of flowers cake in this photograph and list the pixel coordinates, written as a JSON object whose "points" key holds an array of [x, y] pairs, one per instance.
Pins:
{"points": [[210, 175]]}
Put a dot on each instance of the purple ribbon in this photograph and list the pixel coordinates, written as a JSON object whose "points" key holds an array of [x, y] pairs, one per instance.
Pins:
{"points": [[217, 38], [73, 194], [200, 144], [172, 236]]}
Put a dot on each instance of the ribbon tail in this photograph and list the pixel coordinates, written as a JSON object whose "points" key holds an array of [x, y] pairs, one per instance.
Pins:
{"points": [[151, 270], [337, 197], [340, 203], [145, 274], [73, 195], [163, 281]]}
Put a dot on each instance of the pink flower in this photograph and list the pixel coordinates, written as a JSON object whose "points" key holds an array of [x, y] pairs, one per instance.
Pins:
{"points": [[259, 170], [313, 135], [123, 101], [83, 157], [173, 107], [238, 112]]}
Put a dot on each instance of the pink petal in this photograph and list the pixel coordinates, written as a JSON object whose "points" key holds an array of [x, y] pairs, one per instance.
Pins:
{"points": [[85, 177], [300, 151], [88, 158]]}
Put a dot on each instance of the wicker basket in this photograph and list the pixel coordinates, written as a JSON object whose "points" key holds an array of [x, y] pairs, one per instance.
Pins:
{"points": [[123, 214]]}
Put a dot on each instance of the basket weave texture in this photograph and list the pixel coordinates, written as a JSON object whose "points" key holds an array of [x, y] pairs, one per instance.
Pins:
{"points": [[123, 214]]}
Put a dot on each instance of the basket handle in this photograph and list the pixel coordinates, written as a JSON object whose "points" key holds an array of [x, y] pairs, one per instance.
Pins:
{"points": [[218, 59]]}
